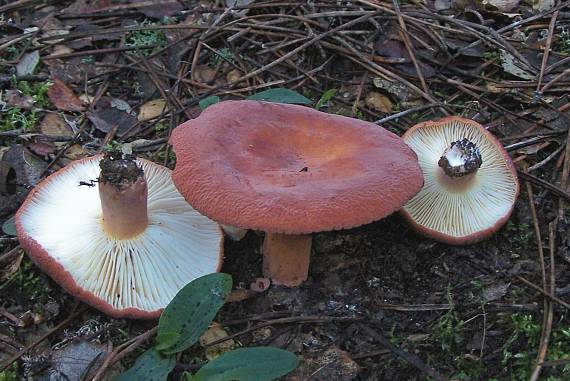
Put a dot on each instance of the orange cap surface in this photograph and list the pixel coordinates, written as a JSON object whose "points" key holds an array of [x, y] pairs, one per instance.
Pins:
{"points": [[291, 169]]}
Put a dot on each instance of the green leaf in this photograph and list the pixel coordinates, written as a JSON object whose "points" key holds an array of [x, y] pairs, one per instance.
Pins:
{"points": [[280, 96], [166, 340], [9, 226], [191, 311], [150, 366], [327, 95], [211, 100], [249, 364]]}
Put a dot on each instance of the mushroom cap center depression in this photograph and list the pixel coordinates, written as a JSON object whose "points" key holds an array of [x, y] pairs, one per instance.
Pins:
{"points": [[312, 152]]}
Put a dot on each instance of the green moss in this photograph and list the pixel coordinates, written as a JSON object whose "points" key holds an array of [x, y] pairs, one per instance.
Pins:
{"points": [[144, 38], [10, 374], [520, 349]]}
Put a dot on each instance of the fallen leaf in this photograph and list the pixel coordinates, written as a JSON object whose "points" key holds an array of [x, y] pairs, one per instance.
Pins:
{"points": [[543, 5], [456, 45], [234, 75], [61, 49], [379, 102], [106, 120], [151, 109], [400, 91], [15, 98], [512, 66], [162, 8], [494, 292], [42, 148], [79, 360], [53, 125], [28, 63], [216, 332], [11, 265], [204, 73], [28, 167], [76, 152], [500, 5], [120, 104], [239, 3], [63, 97]]}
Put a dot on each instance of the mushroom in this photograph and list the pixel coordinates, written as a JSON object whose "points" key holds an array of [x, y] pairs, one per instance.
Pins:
{"points": [[125, 247], [470, 181], [290, 171]]}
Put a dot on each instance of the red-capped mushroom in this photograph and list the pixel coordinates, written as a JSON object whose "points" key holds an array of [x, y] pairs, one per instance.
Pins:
{"points": [[127, 246], [290, 171], [470, 181]]}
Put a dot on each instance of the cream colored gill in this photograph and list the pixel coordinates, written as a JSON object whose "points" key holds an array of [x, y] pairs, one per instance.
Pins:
{"points": [[487, 198], [143, 272]]}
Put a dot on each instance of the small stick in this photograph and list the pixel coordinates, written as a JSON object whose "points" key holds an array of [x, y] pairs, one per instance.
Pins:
{"points": [[408, 357], [547, 49], [74, 312]]}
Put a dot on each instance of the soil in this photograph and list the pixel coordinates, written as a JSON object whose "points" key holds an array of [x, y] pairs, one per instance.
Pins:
{"points": [[119, 170]]}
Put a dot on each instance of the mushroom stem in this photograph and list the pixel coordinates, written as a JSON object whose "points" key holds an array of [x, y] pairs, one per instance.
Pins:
{"points": [[460, 159], [123, 192], [286, 258]]}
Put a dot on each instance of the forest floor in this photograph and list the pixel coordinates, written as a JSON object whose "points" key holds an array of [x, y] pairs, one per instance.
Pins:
{"points": [[381, 302]]}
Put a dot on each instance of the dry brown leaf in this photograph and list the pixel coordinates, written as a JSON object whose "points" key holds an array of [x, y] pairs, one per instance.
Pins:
{"points": [[76, 152], [9, 267], [151, 109], [42, 148], [15, 98], [216, 332], [379, 102], [53, 125], [204, 73], [63, 97]]}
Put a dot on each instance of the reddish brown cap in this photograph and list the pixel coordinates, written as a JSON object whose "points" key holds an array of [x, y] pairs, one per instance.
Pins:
{"points": [[460, 210], [291, 169]]}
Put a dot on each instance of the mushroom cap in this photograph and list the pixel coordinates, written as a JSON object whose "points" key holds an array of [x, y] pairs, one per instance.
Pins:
{"points": [[59, 226], [466, 209], [290, 169]]}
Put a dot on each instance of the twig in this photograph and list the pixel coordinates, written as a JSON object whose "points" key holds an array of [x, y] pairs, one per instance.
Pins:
{"points": [[74, 312], [543, 292], [547, 49], [548, 311], [408, 357], [122, 350]]}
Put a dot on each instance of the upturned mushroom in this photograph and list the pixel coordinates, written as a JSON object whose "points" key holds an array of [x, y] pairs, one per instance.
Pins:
{"points": [[126, 246], [470, 181], [290, 171]]}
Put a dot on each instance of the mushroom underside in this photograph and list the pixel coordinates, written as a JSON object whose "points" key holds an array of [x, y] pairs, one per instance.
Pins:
{"points": [[467, 208], [143, 272]]}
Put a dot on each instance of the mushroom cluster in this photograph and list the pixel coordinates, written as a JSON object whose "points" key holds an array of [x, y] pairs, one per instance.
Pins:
{"points": [[129, 243], [470, 181], [126, 246], [290, 171]]}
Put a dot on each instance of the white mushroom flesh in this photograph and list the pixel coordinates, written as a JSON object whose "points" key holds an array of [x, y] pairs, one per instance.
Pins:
{"points": [[144, 272], [461, 206]]}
